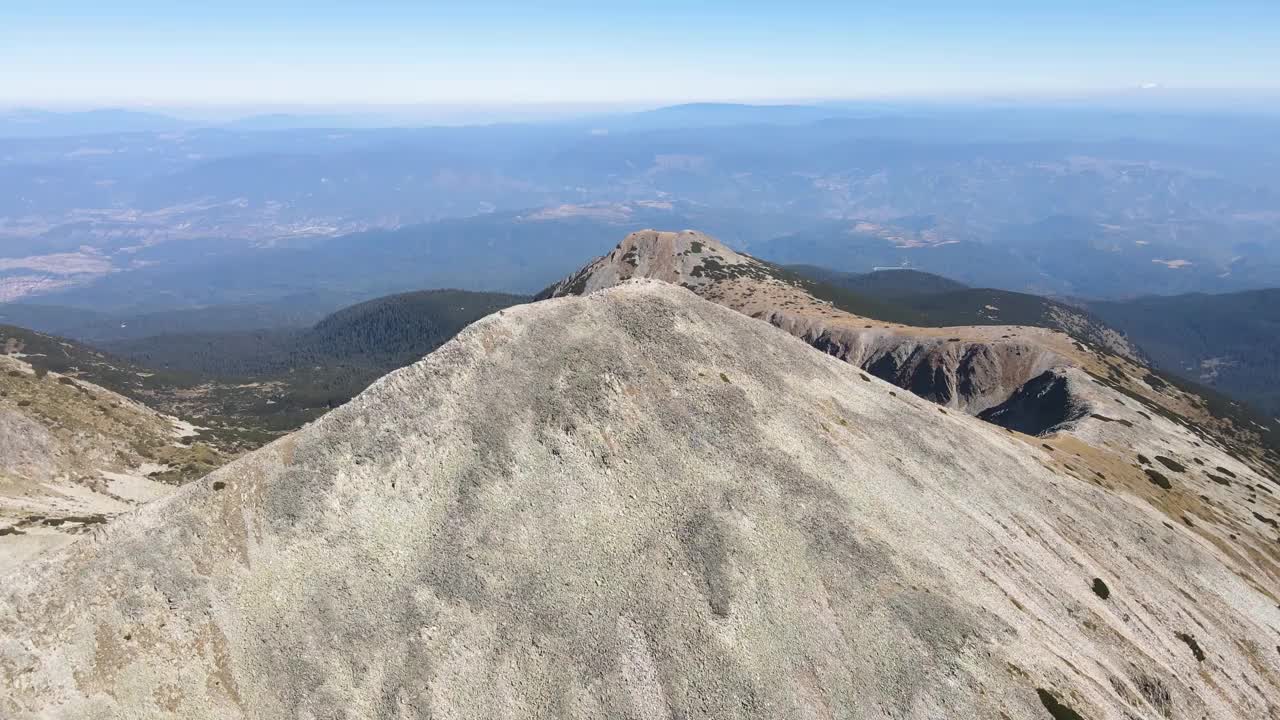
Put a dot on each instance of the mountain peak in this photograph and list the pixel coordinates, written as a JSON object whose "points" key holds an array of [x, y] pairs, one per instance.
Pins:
{"points": [[687, 258], [638, 503]]}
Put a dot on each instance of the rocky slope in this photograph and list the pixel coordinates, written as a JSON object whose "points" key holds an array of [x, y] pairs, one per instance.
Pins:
{"points": [[73, 454], [971, 368], [1104, 416], [642, 504], [939, 301], [987, 370]]}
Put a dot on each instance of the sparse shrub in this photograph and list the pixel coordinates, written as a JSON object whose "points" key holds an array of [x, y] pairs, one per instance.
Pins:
{"points": [[1155, 382], [1158, 478], [1191, 643], [1100, 589], [1157, 694]]}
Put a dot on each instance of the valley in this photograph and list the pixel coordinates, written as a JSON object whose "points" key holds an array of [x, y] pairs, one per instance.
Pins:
{"points": [[247, 387], [1089, 204]]}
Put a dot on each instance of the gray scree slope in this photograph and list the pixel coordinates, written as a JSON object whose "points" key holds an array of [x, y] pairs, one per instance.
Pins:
{"points": [[638, 504]]}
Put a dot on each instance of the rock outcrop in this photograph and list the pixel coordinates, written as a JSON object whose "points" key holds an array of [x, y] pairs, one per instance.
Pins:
{"points": [[641, 504], [996, 372], [953, 368], [1102, 416], [971, 376]]}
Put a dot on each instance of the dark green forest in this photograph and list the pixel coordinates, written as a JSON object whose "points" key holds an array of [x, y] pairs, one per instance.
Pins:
{"points": [[1229, 341], [378, 335], [249, 386], [302, 373]]}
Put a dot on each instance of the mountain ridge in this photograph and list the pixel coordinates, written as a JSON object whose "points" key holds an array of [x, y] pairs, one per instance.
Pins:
{"points": [[973, 368], [638, 502], [1041, 381]]}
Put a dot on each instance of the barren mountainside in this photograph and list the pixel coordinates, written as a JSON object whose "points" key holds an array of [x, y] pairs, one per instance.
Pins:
{"points": [[73, 455], [1071, 366], [642, 504]]}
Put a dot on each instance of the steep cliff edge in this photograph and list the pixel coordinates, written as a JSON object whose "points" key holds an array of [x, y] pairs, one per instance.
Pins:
{"points": [[971, 369]]}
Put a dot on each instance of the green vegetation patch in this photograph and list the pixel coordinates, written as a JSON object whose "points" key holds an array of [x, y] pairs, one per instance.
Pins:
{"points": [[1158, 478], [1100, 589]]}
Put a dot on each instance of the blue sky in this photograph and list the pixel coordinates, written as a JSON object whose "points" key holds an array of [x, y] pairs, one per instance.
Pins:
{"points": [[392, 52]]}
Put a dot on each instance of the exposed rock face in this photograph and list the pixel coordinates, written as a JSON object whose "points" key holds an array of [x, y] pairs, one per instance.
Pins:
{"points": [[72, 455], [642, 504], [991, 371], [1101, 414], [969, 374], [1045, 404]]}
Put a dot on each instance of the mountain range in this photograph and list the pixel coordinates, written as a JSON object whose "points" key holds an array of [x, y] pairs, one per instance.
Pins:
{"points": [[1098, 205], [943, 410], [688, 482], [281, 344]]}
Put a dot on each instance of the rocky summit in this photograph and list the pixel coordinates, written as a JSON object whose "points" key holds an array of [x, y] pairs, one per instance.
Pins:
{"points": [[1070, 385], [641, 504]]}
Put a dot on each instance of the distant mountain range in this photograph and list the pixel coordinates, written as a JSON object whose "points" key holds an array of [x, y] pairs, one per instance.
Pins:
{"points": [[48, 124], [1225, 341], [1059, 255], [1065, 202], [33, 123]]}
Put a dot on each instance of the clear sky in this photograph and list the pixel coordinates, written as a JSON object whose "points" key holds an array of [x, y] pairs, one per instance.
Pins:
{"points": [[484, 51]]}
